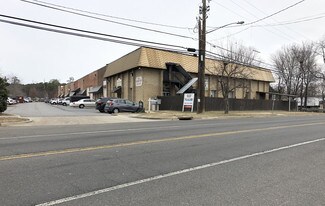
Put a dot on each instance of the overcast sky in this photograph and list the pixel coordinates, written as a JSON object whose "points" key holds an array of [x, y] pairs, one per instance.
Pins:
{"points": [[35, 56]]}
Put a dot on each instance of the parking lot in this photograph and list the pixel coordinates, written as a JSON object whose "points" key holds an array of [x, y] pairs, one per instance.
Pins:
{"points": [[41, 113]]}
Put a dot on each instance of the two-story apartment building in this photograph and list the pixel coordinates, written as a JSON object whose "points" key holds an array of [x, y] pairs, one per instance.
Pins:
{"points": [[89, 85], [146, 73]]}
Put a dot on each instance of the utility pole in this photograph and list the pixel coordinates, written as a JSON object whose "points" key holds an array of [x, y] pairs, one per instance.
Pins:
{"points": [[201, 59], [302, 72]]}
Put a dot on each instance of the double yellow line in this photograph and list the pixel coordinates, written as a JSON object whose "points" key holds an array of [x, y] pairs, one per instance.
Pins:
{"points": [[143, 142]]}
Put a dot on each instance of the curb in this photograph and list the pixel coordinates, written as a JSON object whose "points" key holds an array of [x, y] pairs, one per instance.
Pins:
{"points": [[193, 117]]}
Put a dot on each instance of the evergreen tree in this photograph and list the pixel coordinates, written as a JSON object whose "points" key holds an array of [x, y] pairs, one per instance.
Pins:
{"points": [[3, 94]]}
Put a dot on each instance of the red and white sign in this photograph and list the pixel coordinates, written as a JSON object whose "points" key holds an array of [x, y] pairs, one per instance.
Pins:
{"points": [[188, 102]]}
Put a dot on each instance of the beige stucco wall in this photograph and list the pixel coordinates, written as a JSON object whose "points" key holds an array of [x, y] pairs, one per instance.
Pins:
{"points": [[259, 86], [152, 85], [251, 87], [152, 82], [254, 88], [125, 85]]}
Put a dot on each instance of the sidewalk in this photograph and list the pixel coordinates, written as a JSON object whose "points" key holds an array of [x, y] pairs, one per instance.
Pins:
{"points": [[175, 115], [12, 120]]}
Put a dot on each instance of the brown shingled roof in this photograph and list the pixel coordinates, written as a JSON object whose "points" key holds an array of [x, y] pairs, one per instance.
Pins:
{"points": [[153, 58]]}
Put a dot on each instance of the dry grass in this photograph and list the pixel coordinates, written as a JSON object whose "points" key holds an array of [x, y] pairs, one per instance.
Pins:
{"points": [[219, 114], [6, 118]]}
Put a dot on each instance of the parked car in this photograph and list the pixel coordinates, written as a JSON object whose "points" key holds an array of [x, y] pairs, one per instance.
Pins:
{"points": [[54, 101], [27, 99], [11, 101], [83, 103], [75, 98], [60, 101], [66, 101], [101, 102], [121, 105]]}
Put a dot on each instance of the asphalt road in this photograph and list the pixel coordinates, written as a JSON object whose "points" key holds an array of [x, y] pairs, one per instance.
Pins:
{"points": [[41, 109], [46, 114], [248, 161]]}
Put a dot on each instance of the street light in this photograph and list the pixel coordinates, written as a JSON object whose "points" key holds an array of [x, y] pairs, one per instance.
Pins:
{"points": [[201, 57], [201, 54], [220, 27]]}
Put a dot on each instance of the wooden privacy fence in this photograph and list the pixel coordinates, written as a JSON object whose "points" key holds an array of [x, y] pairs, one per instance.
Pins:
{"points": [[175, 103]]}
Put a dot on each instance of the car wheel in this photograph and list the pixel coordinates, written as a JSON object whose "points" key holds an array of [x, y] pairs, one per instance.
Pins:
{"points": [[64, 104], [115, 111], [81, 106], [101, 111]]}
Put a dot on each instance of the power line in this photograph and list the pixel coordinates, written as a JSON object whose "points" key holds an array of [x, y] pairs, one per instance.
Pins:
{"points": [[109, 16], [285, 35], [273, 14], [221, 58], [114, 40], [129, 42], [233, 34], [280, 33], [252, 5], [268, 16], [222, 48], [236, 13], [125, 40], [293, 21], [309, 17], [258, 61], [111, 21], [261, 19]]}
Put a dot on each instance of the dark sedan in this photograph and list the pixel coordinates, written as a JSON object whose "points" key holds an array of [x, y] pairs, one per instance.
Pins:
{"points": [[121, 105]]}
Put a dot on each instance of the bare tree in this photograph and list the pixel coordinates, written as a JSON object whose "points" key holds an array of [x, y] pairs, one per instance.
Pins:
{"points": [[306, 56], [234, 70], [288, 70], [321, 87], [297, 69], [321, 74], [321, 48]]}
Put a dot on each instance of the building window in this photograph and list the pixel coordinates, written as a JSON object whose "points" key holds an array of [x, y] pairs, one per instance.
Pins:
{"points": [[246, 95], [206, 83], [231, 94], [166, 94], [213, 93]]}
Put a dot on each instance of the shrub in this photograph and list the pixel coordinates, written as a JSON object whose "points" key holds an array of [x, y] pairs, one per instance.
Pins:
{"points": [[3, 95]]}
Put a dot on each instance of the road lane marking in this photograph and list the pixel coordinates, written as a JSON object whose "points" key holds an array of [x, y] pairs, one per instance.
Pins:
{"points": [[104, 131], [81, 133], [117, 187], [107, 131], [143, 142]]}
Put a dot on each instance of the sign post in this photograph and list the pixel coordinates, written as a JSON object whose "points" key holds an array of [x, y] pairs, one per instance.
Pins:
{"points": [[188, 102]]}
